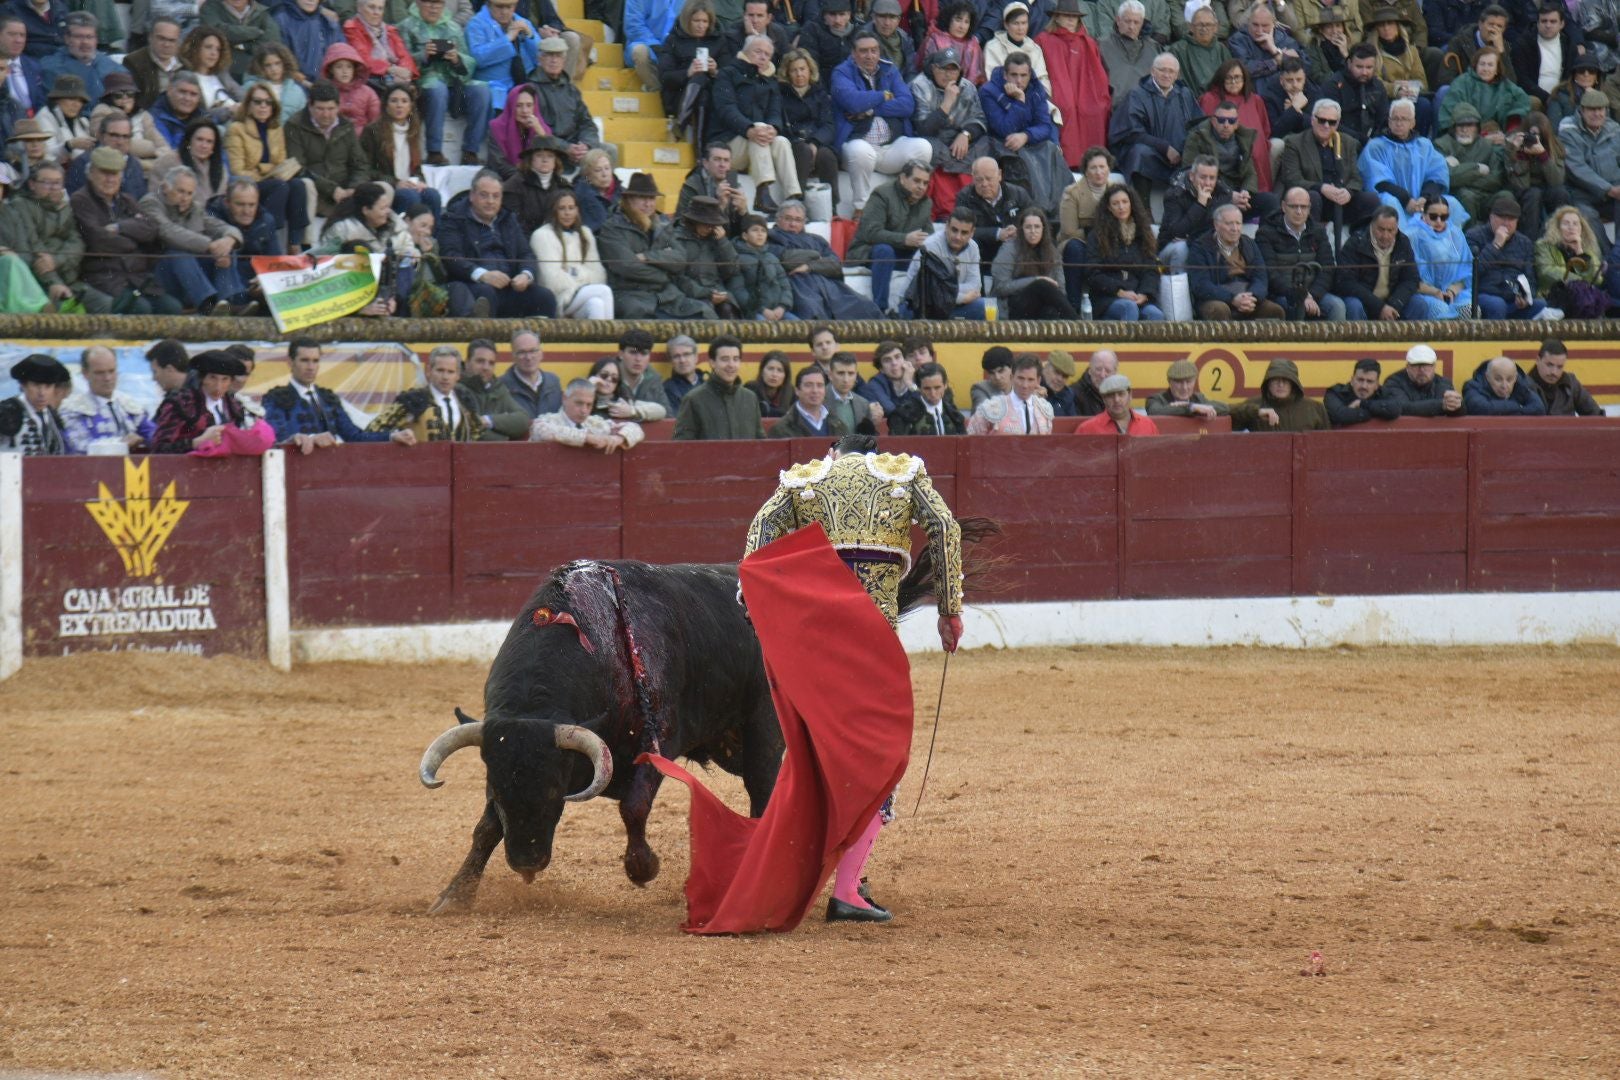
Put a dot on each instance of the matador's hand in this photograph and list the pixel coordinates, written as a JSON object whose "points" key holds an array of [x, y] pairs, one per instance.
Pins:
{"points": [[950, 632]]}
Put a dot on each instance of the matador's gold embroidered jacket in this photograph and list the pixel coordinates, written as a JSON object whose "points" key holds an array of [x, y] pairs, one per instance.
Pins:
{"points": [[868, 503]]}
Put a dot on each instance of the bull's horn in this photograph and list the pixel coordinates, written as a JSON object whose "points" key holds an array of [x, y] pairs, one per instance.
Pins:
{"points": [[462, 735], [585, 741]]}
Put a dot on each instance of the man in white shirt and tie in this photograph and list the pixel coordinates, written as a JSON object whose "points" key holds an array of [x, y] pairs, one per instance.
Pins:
{"points": [[932, 412], [25, 80], [1020, 411], [311, 417], [102, 420], [29, 422], [437, 412]]}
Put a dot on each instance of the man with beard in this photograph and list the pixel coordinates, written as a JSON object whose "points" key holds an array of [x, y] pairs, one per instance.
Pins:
{"points": [[1478, 166], [643, 289], [699, 260]]}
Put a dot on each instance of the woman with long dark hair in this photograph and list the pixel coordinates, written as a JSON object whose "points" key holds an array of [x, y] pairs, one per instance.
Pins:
{"points": [[201, 151], [1233, 83], [1121, 260], [392, 145], [773, 385], [570, 262], [605, 376], [1027, 274]]}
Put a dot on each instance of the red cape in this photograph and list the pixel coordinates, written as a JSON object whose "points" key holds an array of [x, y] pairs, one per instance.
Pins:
{"points": [[1079, 89], [842, 688]]}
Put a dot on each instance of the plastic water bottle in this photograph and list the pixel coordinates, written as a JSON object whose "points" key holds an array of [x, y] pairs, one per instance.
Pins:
{"points": [[1085, 306]]}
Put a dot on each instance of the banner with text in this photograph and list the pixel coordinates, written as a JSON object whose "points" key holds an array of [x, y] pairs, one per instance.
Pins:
{"points": [[305, 291]]}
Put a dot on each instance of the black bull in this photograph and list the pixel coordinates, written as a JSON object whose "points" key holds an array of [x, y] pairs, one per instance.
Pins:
{"points": [[662, 659]]}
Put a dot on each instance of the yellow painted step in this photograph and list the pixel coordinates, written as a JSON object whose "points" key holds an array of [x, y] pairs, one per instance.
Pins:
{"points": [[589, 27], [669, 182], [623, 103], [610, 55], [570, 10], [602, 77], [629, 127], [648, 155]]}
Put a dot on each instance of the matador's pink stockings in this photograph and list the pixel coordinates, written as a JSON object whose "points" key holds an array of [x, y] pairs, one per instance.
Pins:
{"points": [[847, 879]]}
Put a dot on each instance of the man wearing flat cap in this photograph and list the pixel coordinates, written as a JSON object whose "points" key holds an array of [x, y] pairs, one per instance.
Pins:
{"points": [[29, 422], [1504, 264], [120, 244], [29, 147], [703, 264], [642, 288], [1592, 157], [895, 47], [1182, 397], [1057, 370], [193, 417], [1117, 417], [1478, 166]]}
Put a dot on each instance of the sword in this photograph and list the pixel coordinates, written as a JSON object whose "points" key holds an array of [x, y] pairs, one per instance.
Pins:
{"points": [[938, 706]]}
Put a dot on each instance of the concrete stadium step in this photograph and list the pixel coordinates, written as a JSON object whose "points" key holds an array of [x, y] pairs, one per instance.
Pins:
{"points": [[648, 155], [591, 28], [629, 127], [602, 77], [623, 103], [609, 55]]}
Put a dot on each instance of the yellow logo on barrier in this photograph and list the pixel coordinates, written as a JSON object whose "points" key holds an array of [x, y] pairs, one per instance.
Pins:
{"points": [[138, 526]]}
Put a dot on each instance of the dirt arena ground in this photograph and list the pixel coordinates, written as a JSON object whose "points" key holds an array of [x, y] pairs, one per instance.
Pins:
{"points": [[1123, 862]]}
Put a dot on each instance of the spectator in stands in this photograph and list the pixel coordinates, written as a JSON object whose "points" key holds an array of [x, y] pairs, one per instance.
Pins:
{"points": [[29, 422], [33, 153], [1378, 271], [931, 411], [1122, 271], [1544, 59], [534, 390], [596, 189], [357, 101], [1182, 397], [829, 36], [1128, 56], [67, 120], [684, 375], [641, 393], [1499, 388], [1400, 63], [1536, 170], [1028, 273], [642, 288], [1288, 96], [504, 46], [383, 54], [950, 116], [815, 275], [102, 414], [714, 177], [1189, 209], [996, 207], [809, 121], [1445, 265], [700, 262], [366, 218], [485, 247], [43, 20], [256, 149], [646, 24], [1117, 417], [824, 346], [896, 47], [206, 52], [1361, 399], [722, 408], [1500, 102], [169, 363], [1077, 213], [1013, 30], [1570, 268], [113, 128], [275, 66], [308, 28], [441, 411], [874, 127], [120, 244], [1360, 93], [955, 248], [311, 417], [1078, 80], [575, 425], [570, 262], [198, 264], [996, 363], [688, 62], [1021, 411], [1419, 391], [1504, 264], [1560, 390], [1233, 86], [193, 417], [1405, 168], [855, 411], [1201, 52], [202, 150], [1262, 44], [1282, 405], [1056, 371], [514, 130], [1228, 275], [953, 28], [1488, 33], [24, 81], [491, 399], [1235, 149], [1323, 160], [1565, 101], [773, 384], [895, 380], [447, 87], [119, 96], [38, 224], [1592, 147], [746, 111], [529, 192], [894, 228], [247, 25], [1478, 165], [1148, 132], [563, 105], [327, 148], [1299, 257], [763, 291], [79, 57], [179, 108], [1018, 112]]}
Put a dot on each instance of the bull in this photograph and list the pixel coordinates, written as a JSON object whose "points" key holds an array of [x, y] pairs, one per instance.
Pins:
{"points": [[606, 661]]}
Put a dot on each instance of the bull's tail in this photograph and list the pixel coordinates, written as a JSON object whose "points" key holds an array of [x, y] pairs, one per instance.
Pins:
{"points": [[917, 587]]}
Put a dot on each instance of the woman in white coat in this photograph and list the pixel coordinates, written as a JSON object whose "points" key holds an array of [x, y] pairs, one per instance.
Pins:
{"points": [[570, 264]]}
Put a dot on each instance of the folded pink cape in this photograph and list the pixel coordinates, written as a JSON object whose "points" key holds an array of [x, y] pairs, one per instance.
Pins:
{"points": [[240, 442]]}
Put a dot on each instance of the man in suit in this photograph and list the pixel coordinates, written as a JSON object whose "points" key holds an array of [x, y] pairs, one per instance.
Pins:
{"points": [[311, 417], [1323, 162], [26, 80]]}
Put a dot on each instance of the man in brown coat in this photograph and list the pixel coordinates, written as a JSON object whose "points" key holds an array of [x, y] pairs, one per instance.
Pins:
{"points": [[120, 244]]}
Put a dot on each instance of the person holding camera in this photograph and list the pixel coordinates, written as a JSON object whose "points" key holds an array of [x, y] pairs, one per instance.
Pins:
{"points": [[447, 85]]}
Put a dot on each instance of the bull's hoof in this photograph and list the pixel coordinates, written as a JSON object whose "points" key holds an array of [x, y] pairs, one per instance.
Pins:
{"points": [[641, 866], [451, 903]]}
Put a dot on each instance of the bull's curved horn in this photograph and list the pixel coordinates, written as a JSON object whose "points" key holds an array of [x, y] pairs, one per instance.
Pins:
{"points": [[585, 741], [457, 738]]}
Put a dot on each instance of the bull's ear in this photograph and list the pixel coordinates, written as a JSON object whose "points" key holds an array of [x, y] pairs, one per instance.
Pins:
{"points": [[463, 718]]}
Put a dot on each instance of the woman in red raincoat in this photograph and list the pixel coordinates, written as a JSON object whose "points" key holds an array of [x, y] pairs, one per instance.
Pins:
{"points": [[1233, 83], [1079, 82]]}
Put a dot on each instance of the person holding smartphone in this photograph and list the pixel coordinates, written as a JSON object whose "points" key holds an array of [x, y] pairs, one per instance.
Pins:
{"points": [[447, 85]]}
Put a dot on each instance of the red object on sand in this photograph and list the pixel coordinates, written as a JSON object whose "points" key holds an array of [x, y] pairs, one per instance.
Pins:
{"points": [[845, 753]]}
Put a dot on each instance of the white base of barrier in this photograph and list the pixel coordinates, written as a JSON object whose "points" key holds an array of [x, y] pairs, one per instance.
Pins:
{"points": [[1272, 622]]}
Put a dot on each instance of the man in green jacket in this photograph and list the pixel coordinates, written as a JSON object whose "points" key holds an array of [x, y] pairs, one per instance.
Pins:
{"points": [[895, 223], [246, 24], [38, 225], [1283, 405], [490, 398], [722, 408], [327, 147], [439, 46]]}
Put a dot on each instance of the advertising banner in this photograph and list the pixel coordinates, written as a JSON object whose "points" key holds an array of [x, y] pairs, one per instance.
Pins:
{"points": [[304, 292]]}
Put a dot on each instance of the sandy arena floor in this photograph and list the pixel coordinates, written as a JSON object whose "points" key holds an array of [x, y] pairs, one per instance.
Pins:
{"points": [[1122, 864]]}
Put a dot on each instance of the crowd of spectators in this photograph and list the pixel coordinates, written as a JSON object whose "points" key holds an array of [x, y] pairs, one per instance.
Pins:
{"points": [[205, 408], [1043, 158]]}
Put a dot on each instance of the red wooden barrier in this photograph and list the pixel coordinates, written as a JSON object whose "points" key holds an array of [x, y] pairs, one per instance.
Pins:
{"points": [[692, 501]]}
